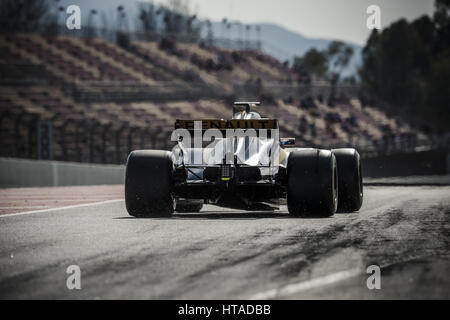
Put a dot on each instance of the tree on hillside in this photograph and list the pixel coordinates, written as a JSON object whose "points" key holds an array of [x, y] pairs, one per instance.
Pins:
{"points": [[312, 64], [407, 66], [338, 56], [441, 19], [147, 18], [439, 93], [177, 20], [327, 64], [392, 62], [22, 15]]}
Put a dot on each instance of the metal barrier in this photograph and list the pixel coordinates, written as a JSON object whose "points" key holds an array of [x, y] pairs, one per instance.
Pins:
{"points": [[24, 135], [38, 173]]}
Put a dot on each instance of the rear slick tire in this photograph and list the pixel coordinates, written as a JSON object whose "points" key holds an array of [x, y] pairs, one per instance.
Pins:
{"points": [[148, 184], [312, 188], [350, 179]]}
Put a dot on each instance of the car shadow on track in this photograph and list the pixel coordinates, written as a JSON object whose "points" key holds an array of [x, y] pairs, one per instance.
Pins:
{"points": [[248, 215]]}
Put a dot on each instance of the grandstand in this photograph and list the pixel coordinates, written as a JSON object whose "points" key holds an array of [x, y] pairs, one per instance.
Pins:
{"points": [[102, 100]]}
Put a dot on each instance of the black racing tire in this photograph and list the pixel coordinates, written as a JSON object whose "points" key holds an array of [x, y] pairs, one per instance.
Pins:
{"points": [[312, 186], [350, 179], [148, 183], [191, 207]]}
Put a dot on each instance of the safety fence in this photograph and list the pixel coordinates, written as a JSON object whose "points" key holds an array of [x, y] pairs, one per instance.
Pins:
{"points": [[27, 136], [23, 135]]}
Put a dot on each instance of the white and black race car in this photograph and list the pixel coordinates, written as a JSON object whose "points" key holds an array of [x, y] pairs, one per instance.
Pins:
{"points": [[241, 164]]}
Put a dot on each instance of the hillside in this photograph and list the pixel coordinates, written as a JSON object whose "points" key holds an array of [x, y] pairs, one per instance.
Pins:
{"points": [[277, 41], [284, 44]]}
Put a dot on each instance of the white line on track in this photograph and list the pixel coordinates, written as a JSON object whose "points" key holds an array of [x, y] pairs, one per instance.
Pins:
{"points": [[294, 288], [60, 208], [23, 207], [306, 285]]}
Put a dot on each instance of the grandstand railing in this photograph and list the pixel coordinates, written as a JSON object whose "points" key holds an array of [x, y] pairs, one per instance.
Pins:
{"points": [[402, 144], [281, 90], [76, 140], [127, 91], [113, 35], [92, 141]]}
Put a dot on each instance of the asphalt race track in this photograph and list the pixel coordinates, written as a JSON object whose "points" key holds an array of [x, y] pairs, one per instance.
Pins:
{"points": [[228, 254]]}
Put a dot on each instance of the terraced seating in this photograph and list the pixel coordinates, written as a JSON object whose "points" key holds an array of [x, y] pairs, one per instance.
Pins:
{"points": [[15, 69], [50, 56], [104, 100], [135, 67], [81, 131], [194, 49], [178, 67]]}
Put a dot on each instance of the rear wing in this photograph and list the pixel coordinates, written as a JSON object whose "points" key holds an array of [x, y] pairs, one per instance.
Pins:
{"points": [[228, 124]]}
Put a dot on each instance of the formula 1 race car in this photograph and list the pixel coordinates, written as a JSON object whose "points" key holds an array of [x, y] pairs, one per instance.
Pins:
{"points": [[241, 164]]}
